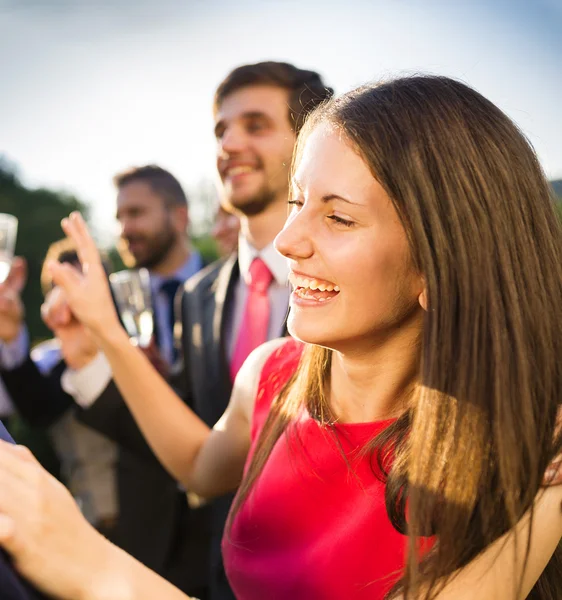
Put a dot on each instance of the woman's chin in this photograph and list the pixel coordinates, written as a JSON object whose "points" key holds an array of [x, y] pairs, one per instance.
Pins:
{"points": [[307, 332]]}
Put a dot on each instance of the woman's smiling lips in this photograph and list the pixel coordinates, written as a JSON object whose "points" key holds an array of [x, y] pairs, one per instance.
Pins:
{"points": [[311, 291]]}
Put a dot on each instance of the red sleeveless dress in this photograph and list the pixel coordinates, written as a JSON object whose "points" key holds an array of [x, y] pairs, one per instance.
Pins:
{"points": [[314, 526]]}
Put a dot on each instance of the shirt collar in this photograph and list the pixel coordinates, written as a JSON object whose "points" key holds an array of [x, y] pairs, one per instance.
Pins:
{"points": [[191, 266], [276, 263]]}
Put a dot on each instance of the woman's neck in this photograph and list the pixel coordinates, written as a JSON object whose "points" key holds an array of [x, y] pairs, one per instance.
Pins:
{"points": [[374, 383]]}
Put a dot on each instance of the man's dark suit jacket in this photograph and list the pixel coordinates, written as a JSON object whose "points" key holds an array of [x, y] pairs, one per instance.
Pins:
{"points": [[206, 304], [12, 587]]}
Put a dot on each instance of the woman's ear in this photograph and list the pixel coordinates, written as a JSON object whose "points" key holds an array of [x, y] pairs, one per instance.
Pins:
{"points": [[422, 298]]}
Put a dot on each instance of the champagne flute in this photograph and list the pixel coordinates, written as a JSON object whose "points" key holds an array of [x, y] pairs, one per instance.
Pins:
{"points": [[131, 289], [8, 234]]}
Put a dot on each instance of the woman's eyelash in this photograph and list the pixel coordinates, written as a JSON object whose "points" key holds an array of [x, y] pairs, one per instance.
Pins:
{"points": [[341, 221], [334, 218]]}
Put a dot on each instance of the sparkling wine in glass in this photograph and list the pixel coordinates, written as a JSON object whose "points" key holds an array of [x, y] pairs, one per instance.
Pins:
{"points": [[8, 234], [132, 295]]}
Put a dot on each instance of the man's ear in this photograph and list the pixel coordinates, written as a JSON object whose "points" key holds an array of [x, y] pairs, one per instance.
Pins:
{"points": [[181, 219]]}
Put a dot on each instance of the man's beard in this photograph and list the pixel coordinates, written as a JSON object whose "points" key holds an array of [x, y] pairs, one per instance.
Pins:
{"points": [[157, 248], [255, 205]]}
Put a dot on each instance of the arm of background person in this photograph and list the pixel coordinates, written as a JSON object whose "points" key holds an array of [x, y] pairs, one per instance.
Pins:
{"points": [[38, 396]]}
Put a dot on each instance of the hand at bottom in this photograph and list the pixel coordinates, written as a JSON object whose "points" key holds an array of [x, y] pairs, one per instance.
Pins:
{"points": [[41, 527]]}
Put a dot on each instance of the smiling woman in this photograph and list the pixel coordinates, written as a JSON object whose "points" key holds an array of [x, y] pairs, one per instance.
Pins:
{"points": [[396, 448]]}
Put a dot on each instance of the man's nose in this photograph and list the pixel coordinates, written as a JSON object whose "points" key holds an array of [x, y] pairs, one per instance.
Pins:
{"points": [[232, 141], [127, 226]]}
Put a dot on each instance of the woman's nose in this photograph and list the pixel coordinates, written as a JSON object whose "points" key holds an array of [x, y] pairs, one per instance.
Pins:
{"points": [[295, 239]]}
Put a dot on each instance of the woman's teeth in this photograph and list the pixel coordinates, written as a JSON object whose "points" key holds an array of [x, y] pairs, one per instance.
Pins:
{"points": [[298, 281]]}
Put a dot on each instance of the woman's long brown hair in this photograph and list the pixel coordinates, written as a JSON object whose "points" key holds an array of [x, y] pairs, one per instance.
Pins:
{"points": [[479, 215]]}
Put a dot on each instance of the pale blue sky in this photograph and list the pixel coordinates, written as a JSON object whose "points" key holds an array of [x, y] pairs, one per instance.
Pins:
{"points": [[91, 87]]}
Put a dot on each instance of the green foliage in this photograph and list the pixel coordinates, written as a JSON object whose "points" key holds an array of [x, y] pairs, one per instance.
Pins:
{"points": [[207, 247], [39, 212], [115, 260], [557, 187]]}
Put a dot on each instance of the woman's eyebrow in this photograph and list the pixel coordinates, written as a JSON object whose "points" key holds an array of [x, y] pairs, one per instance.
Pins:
{"points": [[327, 197], [330, 197]]}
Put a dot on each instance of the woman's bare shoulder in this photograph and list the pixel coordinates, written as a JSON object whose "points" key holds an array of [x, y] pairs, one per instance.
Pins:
{"points": [[248, 378]]}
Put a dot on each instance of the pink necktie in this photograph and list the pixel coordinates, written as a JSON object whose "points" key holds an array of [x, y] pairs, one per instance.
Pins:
{"points": [[253, 329]]}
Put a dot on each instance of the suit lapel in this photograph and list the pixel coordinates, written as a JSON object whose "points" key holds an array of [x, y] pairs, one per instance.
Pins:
{"points": [[224, 293]]}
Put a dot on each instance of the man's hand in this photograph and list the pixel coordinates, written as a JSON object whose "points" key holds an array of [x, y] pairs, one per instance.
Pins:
{"points": [[11, 307], [55, 311], [77, 344]]}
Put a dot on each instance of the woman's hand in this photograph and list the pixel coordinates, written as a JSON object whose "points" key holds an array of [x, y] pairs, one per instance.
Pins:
{"points": [[41, 527], [86, 293]]}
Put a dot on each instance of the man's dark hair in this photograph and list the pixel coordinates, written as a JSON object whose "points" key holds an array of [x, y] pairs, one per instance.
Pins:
{"points": [[162, 183], [306, 88]]}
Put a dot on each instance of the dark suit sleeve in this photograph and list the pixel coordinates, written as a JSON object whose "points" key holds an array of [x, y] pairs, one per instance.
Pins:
{"points": [[39, 398], [12, 586], [110, 416]]}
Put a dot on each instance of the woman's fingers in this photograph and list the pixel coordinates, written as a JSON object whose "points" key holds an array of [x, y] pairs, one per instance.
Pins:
{"points": [[18, 460], [76, 228], [65, 275], [7, 531]]}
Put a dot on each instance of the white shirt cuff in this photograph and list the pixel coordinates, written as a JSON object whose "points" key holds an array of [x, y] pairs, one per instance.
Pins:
{"points": [[13, 355], [85, 385]]}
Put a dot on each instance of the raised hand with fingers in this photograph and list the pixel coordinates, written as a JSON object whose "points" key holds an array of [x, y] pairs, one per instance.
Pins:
{"points": [[53, 546], [41, 527], [87, 293]]}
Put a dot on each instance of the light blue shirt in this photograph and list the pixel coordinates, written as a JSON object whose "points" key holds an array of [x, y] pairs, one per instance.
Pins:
{"points": [[161, 303]]}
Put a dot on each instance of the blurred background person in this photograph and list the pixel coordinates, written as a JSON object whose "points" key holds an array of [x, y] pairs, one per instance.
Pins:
{"points": [[225, 231]]}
